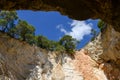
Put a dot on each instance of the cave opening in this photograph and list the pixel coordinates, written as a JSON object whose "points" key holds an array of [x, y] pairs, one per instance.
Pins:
{"points": [[54, 26]]}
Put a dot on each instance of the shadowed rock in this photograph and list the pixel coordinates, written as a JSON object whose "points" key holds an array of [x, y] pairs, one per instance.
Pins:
{"points": [[107, 10]]}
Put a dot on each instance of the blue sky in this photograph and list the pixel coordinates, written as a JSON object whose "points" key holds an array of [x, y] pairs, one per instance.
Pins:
{"points": [[53, 25]]}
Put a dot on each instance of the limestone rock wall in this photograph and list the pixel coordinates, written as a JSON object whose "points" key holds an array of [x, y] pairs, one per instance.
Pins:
{"points": [[88, 67], [111, 44], [16, 58], [100, 59], [20, 61], [111, 52], [94, 48], [105, 50]]}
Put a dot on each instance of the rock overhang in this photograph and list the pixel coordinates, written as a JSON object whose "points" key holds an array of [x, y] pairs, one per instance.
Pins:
{"points": [[107, 10]]}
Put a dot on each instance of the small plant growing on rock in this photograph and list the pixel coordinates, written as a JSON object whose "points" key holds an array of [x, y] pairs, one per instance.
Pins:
{"points": [[101, 24]]}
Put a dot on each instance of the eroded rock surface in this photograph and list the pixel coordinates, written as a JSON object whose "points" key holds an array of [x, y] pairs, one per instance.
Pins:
{"points": [[88, 67], [105, 50], [99, 59], [111, 55], [107, 10], [20, 61]]}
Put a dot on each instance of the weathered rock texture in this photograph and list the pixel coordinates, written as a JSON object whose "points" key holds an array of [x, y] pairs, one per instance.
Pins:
{"points": [[107, 10], [20, 61], [111, 52], [88, 67], [105, 50]]}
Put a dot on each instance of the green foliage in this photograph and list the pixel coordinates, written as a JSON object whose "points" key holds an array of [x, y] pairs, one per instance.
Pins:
{"points": [[12, 32], [101, 24], [7, 19], [69, 43], [60, 48], [24, 31], [43, 42], [31, 39], [52, 45], [21, 30], [34, 40], [3, 22]]}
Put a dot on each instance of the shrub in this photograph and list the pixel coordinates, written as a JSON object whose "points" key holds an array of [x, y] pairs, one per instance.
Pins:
{"points": [[101, 24], [69, 43]]}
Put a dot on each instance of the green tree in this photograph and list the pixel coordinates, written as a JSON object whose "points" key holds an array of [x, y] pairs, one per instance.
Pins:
{"points": [[3, 23], [33, 40], [69, 43], [24, 31], [43, 42], [52, 45], [7, 19], [59, 48], [12, 32], [101, 24]]}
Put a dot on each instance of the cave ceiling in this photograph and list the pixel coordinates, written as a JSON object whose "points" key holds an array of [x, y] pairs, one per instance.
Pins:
{"points": [[107, 10]]}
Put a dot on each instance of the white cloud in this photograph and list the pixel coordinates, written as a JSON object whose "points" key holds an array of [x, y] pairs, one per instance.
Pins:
{"points": [[78, 29], [61, 28]]}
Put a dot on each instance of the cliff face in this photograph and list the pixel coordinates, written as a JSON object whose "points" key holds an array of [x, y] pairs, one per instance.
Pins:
{"points": [[105, 50], [100, 59], [16, 58], [20, 61], [107, 10], [111, 55]]}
